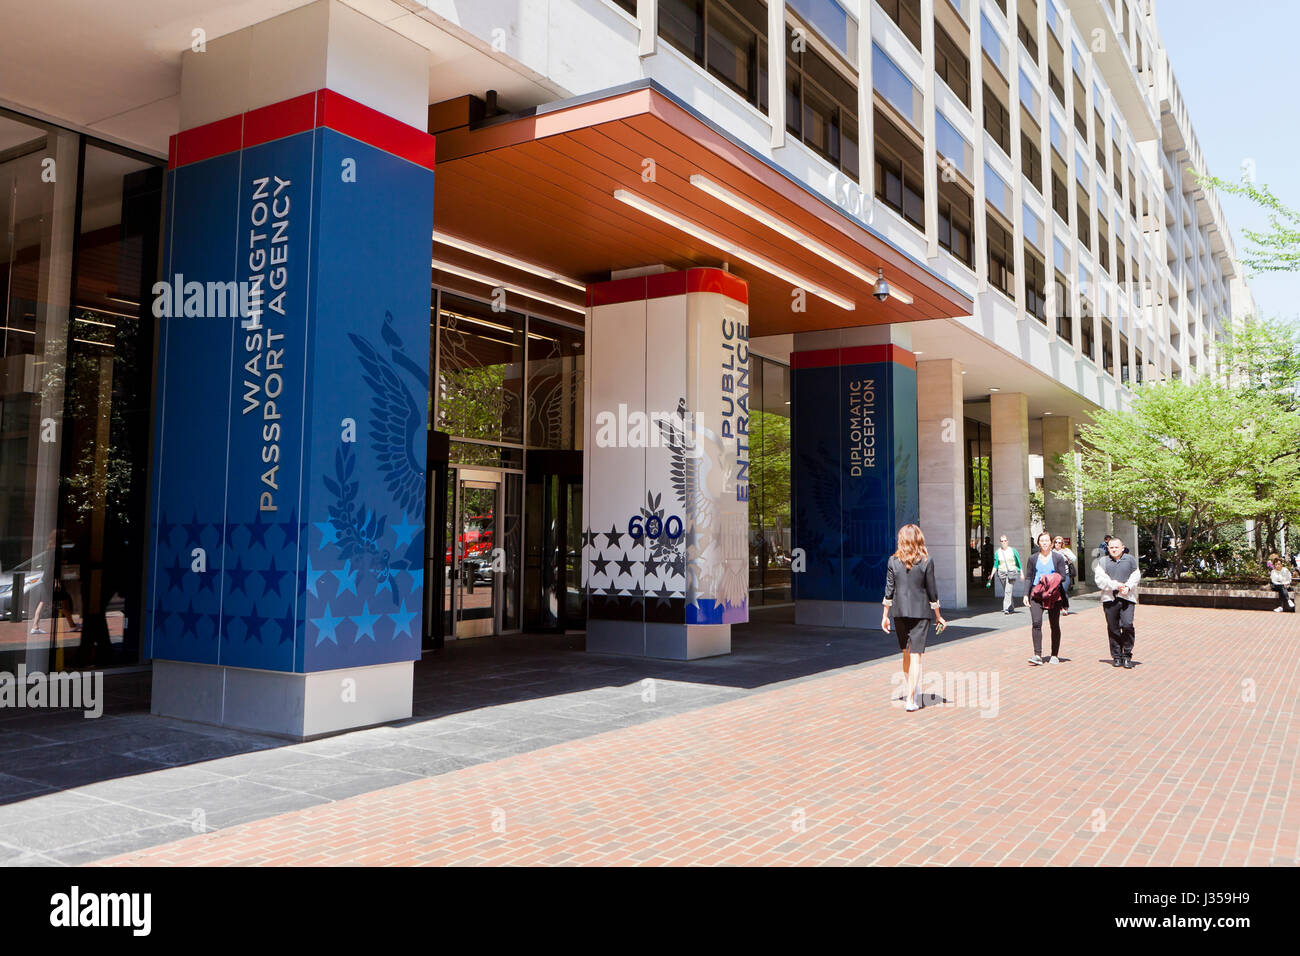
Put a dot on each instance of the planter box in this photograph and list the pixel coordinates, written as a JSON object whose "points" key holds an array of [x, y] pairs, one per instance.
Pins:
{"points": [[1208, 594]]}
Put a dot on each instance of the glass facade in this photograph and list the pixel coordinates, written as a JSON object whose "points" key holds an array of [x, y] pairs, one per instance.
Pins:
{"points": [[979, 500], [79, 254], [508, 382], [769, 490]]}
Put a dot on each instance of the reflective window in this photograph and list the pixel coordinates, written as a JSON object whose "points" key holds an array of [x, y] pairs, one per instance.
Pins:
{"points": [[480, 371], [555, 369], [996, 191], [892, 83], [993, 44], [952, 145], [726, 37], [769, 490], [821, 106], [75, 398]]}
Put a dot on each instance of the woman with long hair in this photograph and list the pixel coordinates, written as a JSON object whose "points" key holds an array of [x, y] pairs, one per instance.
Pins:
{"points": [[1050, 572], [911, 592]]}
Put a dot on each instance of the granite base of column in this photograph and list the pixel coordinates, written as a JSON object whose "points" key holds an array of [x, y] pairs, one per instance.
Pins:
{"points": [[669, 642], [856, 614], [296, 706]]}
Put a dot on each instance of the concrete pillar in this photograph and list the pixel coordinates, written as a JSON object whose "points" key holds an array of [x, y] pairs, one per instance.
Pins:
{"points": [[287, 545], [940, 448], [1059, 514], [1127, 531], [671, 574], [853, 464], [1096, 525], [1009, 436]]}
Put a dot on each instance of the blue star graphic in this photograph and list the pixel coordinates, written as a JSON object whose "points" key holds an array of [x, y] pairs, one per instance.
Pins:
{"points": [[257, 531], [313, 577], [405, 532], [325, 627], [194, 530], [365, 622], [286, 625], [190, 620], [417, 578], [165, 529], [208, 579], [176, 578], [347, 581], [253, 626], [275, 580], [402, 621], [328, 533], [238, 577]]}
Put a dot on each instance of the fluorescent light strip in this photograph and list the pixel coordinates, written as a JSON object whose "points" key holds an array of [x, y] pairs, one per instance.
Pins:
{"points": [[776, 224], [713, 239], [495, 325], [511, 261], [497, 283]]}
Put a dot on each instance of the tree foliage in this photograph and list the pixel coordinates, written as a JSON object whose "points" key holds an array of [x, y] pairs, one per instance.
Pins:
{"points": [[1191, 457], [1276, 249]]}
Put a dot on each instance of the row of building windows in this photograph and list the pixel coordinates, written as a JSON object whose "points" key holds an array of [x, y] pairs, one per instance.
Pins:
{"points": [[728, 39]]}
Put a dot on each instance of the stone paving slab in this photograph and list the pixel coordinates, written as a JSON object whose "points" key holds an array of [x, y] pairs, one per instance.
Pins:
{"points": [[1189, 759]]}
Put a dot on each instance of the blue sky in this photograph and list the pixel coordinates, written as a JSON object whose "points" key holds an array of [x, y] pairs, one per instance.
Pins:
{"points": [[1236, 67]]}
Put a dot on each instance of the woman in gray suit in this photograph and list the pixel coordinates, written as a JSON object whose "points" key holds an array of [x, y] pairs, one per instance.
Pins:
{"points": [[911, 592]]}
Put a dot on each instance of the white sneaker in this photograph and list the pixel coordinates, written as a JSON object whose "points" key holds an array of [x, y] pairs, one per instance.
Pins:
{"points": [[912, 705], [40, 630], [1276, 610], [1053, 659], [1035, 660]]}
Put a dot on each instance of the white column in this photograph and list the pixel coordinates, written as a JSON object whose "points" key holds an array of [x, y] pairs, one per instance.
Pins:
{"points": [[1017, 177], [929, 156], [1009, 427], [866, 111], [776, 72], [1127, 531], [980, 208], [1058, 439], [942, 474], [647, 18], [1096, 525]]}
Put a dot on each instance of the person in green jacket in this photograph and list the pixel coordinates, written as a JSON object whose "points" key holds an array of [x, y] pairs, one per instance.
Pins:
{"points": [[1007, 567]]}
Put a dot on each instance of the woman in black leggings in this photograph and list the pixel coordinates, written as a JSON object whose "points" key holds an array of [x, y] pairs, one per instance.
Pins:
{"points": [[1046, 562]]}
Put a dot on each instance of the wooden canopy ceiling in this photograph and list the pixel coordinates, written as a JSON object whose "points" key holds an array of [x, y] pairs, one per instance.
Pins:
{"points": [[540, 187]]}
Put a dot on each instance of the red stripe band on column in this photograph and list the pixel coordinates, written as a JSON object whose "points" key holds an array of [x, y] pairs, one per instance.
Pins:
{"points": [[322, 108]]}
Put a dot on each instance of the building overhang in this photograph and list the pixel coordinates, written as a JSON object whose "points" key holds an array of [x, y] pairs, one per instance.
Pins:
{"points": [[633, 177]]}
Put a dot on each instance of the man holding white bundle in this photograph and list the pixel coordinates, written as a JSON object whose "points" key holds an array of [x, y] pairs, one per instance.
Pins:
{"points": [[1116, 573]]}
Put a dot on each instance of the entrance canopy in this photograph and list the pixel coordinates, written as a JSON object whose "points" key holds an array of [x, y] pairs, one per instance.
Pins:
{"points": [[633, 177]]}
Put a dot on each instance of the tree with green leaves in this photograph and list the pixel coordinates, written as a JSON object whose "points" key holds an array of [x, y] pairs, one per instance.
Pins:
{"points": [[1264, 354], [1276, 249], [1194, 458], [1263, 357]]}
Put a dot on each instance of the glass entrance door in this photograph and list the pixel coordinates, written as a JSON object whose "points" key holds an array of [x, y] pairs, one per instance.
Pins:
{"points": [[475, 556], [553, 599]]}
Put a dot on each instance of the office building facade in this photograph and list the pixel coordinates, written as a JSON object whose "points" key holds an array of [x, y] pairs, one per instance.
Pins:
{"points": [[718, 292]]}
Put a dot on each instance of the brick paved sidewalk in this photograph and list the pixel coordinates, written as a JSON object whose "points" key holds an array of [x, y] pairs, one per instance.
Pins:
{"points": [[1189, 759]]}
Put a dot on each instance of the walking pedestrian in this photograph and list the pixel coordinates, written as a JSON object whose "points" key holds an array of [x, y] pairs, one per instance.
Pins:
{"points": [[1058, 545], [1007, 569], [1117, 575], [1279, 577], [911, 593], [1050, 569]]}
